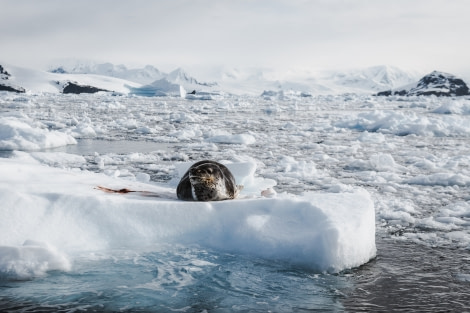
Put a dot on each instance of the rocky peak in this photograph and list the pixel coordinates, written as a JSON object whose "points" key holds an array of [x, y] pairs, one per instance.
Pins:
{"points": [[446, 84], [4, 74], [436, 83]]}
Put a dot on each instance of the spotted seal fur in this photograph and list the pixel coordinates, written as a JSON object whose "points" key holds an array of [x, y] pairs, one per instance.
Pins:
{"points": [[207, 181]]}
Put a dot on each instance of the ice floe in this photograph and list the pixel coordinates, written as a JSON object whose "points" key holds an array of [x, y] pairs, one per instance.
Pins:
{"points": [[63, 208]]}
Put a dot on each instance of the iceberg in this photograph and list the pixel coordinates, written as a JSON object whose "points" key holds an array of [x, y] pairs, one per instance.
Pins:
{"points": [[64, 209]]}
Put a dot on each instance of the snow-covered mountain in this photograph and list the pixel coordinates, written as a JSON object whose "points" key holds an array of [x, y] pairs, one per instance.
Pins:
{"points": [[5, 82], [179, 76], [149, 81], [362, 81], [436, 83], [374, 78], [35, 81], [143, 75], [153, 81], [252, 81]]}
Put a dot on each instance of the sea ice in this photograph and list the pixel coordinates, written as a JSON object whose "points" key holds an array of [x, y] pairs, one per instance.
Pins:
{"points": [[402, 124], [29, 260], [241, 139], [18, 134], [322, 231]]}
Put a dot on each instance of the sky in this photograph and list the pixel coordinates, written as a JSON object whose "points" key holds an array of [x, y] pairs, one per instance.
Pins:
{"points": [[279, 34]]}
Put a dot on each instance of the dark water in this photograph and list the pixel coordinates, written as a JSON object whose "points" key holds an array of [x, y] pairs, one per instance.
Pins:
{"points": [[407, 277], [177, 280]]}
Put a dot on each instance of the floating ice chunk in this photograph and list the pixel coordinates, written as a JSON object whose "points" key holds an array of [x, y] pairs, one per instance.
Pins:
{"points": [[340, 188], [459, 209], [424, 164], [395, 211], [145, 130], [83, 130], [182, 117], [434, 224], [244, 173], [440, 179], [453, 220], [453, 107], [290, 125], [382, 162], [322, 231], [403, 124], [293, 168], [16, 134], [463, 277], [371, 137], [185, 134], [30, 260], [240, 139]]}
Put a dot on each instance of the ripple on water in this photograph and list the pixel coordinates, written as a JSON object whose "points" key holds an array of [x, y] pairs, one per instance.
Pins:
{"points": [[186, 279], [411, 278]]}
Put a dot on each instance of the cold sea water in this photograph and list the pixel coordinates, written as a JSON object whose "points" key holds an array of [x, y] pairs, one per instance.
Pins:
{"points": [[392, 147]]}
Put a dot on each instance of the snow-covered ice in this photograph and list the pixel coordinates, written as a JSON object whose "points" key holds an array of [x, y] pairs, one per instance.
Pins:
{"points": [[32, 259], [63, 208], [16, 134]]}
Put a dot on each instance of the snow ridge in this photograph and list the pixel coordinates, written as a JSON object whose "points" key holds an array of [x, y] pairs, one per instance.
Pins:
{"points": [[140, 75]]}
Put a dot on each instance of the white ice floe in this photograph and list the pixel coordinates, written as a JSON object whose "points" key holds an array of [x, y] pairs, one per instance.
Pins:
{"points": [[32, 259], [454, 107], [378, 162], [22, 134], [241, 139], [441, 179], [322, 231], [406, 123]]}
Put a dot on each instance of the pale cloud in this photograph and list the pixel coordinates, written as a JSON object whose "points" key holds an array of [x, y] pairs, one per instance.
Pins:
{"points": [[274, 33]]}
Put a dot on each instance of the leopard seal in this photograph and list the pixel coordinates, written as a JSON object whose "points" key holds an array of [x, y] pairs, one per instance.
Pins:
{"points": [[207, 181]]}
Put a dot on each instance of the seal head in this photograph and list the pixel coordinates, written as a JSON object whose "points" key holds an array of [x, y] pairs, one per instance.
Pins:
{"points": [[207, 181]]}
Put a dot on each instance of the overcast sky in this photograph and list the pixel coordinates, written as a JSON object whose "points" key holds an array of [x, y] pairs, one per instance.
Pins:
{"points": [[282, 34]]}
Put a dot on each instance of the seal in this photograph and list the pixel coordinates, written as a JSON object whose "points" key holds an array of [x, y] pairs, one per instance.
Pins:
{"points": [[207, 181]]}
